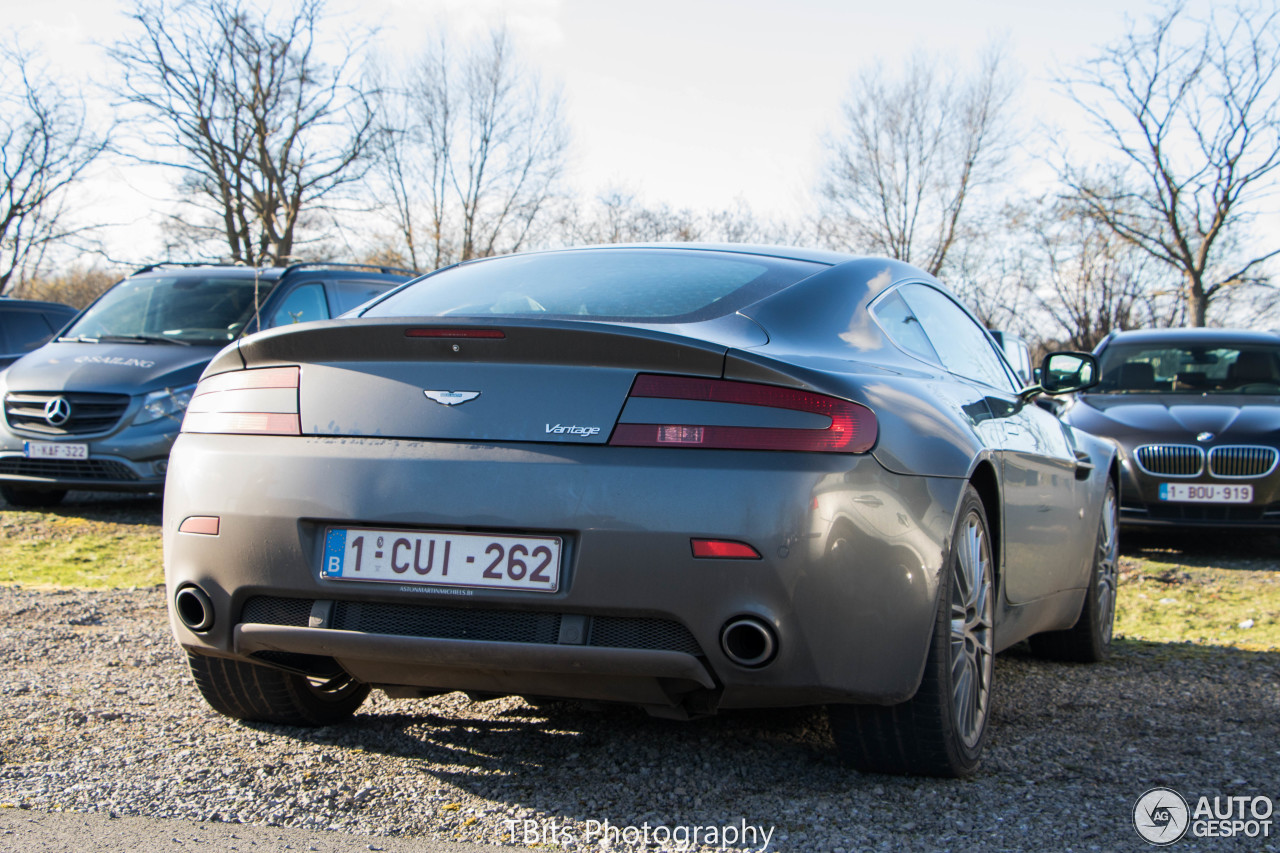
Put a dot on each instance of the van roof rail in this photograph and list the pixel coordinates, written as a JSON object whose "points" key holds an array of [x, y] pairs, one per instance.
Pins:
{"points": [[385, 270]]}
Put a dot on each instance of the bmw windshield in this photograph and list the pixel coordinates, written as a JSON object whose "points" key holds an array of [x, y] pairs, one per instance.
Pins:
{"points": [[1189, 369], [171, 309]]}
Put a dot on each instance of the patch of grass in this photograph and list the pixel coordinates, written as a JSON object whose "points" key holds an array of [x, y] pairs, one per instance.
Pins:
{"points": [[1164, 599], [69, 549]]}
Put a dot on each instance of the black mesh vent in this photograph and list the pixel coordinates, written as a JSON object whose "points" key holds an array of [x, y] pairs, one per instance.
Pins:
{"points": [[447, 623], [458, 623], [68, 469], [269, 610], [90, 413], [621, 632]]}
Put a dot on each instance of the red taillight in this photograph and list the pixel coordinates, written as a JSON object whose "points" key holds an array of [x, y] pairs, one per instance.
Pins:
{"points": [[437, 332], [254, 402], [852, 428], [723, 549]]}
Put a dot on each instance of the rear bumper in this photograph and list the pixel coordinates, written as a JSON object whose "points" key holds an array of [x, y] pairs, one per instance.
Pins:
{"points": [[637, 618]]}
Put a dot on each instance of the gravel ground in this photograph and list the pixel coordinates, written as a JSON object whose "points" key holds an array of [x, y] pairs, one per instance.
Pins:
{"points": [[100, 716]]}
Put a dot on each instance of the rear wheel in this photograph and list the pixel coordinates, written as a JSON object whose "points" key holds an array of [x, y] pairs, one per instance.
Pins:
{"points": [[248, 691], [1089, 640], [941, 730], [17, 496]]}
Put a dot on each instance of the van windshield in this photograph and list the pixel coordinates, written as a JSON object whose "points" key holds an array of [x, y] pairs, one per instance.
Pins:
{"points": [[177, 309]]}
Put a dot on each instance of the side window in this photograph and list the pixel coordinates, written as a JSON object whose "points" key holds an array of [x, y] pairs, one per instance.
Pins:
{"points": [[304, 303], [961, 344], [903, 328], [345, 295], [24, 330]]}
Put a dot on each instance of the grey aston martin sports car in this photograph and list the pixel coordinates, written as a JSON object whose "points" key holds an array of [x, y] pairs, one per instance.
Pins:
{"points": [[1196, 416], [682, 477]]}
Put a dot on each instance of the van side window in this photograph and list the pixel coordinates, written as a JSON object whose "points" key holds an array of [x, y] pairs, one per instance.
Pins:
{"points": [[305, 303]]}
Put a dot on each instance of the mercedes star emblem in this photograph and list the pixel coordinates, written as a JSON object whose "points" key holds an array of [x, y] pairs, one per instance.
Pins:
{"points": [[57, 411]]}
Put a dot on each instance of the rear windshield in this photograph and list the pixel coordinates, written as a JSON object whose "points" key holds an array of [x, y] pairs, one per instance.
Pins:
{"points": [[1189, 369], [186, 308], [644, 286]]}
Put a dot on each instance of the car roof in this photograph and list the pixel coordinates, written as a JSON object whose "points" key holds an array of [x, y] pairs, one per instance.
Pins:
{"points": [[34, 305], [794, 253], [1192, 337], [198, 270]]}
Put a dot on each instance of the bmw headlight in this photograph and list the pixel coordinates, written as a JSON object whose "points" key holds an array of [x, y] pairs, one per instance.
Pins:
{"points": [[165, 403]]}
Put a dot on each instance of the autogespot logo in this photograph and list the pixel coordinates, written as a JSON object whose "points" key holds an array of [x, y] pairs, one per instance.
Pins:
{"points": [[1161, 816]]}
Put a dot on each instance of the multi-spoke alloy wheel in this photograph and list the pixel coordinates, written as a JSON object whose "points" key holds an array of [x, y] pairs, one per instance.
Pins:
{"points": [[972, 641]]}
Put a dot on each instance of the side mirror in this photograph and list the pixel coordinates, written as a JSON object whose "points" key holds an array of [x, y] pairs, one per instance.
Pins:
{"points": [[1064, 372]]}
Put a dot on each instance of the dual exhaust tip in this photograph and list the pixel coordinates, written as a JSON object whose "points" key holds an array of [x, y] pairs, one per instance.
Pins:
{"points": [[746, 640], [194, 608]]}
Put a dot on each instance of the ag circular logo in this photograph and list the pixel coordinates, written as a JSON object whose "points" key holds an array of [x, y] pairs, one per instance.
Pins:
{"points": [[1161, 816]]}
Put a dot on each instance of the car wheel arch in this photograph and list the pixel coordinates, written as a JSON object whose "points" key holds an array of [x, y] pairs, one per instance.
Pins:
{"points": [[987, 483]]}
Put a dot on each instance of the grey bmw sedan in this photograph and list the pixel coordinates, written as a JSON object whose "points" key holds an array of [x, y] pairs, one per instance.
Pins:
{"points": [[688, 478]]}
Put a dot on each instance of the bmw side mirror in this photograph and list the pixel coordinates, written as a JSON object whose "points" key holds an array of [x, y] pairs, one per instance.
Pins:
{"points": [[1065, 372]]}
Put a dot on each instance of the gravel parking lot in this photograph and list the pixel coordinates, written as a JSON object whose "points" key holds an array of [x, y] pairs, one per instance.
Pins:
{"points": [[100, 716]]}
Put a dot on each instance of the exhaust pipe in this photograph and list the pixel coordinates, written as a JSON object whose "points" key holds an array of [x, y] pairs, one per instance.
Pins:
{"points": [[748, 641], [194, 608]]}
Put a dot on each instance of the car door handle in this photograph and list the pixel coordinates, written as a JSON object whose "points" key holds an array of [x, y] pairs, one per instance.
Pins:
{"points": [[1084, 466]]}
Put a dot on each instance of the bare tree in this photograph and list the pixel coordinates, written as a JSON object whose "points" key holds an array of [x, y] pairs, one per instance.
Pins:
{"points": [[45, 148], [1191, 112], [472, 148], [1089, 281], [619, 215], [263, 129], [912, 151]]}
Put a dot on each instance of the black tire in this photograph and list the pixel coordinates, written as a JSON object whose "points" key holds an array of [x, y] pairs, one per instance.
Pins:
{"points": [[261, 694], [1089, 640], [941, 730], [33, 498]]}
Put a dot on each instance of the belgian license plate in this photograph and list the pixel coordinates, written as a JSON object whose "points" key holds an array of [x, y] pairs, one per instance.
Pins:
{"points": [[1206, 493], [444, 559], [54, 450]]}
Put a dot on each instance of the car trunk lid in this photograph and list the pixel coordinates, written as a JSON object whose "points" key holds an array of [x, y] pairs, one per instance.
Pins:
{"points": [[547, 381]]}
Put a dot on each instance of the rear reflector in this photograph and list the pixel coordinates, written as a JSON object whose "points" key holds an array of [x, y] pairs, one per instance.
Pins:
{"points": [[263, 401], [206, 525], [723, 549], [852, 428], [454, 333]]}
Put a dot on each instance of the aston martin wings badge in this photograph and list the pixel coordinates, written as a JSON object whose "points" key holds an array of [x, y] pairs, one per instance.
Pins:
{"points": [[451, 398]]}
